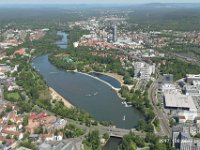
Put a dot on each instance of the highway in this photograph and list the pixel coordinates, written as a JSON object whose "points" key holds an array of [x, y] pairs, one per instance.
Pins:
{"points": [[163, 119]]}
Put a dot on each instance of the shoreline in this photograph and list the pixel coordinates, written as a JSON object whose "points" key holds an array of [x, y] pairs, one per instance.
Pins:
{"points": [[113, 75], [117, 77], [87, 74], [55, 95]]}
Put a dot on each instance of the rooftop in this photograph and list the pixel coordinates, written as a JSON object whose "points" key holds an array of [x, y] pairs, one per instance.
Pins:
{"points": [[193, 75], [179, 101]]}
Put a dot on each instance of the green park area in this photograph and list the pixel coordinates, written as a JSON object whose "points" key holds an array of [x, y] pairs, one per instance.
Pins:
{"points": [[12, 96]]}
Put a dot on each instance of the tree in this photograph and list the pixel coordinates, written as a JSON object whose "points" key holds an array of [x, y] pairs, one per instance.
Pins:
{"points": [[10, 122], [131, 142], [93, 140], [106, 136], [25, 120], [38, 130], [28, 144]]}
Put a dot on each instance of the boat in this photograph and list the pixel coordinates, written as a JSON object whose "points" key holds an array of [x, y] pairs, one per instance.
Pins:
{"points": [[126, 105], [88, 95], [124, 118], [52, 72], [95, 93]]}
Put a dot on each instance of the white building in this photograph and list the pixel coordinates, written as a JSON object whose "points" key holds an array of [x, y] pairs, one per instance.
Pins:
{"points": [[193, 85], [191, 90], [192, 77], [144, 70], [168, 88], [75, 44]]}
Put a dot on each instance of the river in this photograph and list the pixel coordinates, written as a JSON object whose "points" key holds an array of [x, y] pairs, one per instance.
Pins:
{"points": [[89, 94]]}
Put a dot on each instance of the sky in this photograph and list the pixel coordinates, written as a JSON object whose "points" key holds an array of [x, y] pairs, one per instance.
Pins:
{"points": [[94, 1]]}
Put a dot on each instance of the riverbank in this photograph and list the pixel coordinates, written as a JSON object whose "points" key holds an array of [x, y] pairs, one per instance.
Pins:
{"points": [[87, 74], [57, 96], [115, 76]]}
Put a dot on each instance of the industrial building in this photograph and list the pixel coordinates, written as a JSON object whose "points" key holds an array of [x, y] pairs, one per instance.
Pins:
{"points": [[181, 105]]}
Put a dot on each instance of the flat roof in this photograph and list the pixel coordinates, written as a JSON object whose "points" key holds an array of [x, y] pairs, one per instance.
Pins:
{"points": [[179, 101], [193, 75]]}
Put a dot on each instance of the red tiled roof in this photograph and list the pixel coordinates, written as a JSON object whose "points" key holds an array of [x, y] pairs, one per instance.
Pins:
{"points": [[20, 51], [182, 117], [7, 140], [47, 135], [13, 115], [10, 132], [39, 116]]}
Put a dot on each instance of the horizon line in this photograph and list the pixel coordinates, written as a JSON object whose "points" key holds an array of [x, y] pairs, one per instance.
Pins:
{"points": [[119, 3]]}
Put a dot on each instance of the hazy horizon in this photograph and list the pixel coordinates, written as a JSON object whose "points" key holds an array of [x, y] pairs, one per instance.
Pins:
{"points": [[94, 1]]}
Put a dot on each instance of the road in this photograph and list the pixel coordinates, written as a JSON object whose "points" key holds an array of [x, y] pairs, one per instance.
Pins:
{"points": [[163, 119], [186, 58], [117, 132]]}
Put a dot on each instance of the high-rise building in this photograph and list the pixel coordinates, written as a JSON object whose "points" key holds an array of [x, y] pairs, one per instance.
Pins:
{"points": [[114, 33]]}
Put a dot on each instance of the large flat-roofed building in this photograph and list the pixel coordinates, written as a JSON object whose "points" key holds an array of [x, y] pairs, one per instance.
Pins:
{"points": [[181, 105], [179, 101], [192, 77], [191, 90]]}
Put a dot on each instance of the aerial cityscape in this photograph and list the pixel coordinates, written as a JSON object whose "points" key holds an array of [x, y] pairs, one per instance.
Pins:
{"points": [[91, 75]]}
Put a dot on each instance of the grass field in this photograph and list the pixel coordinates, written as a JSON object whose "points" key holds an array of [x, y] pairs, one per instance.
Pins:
{"points": [[12, 96]]}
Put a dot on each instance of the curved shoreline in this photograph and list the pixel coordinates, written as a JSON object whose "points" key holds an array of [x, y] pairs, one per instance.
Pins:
{"points": [[114, 88], [55, 95], [117, 77]]}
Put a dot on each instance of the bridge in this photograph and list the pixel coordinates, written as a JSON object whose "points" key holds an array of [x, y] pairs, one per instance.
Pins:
{"points": [[119, 132]]}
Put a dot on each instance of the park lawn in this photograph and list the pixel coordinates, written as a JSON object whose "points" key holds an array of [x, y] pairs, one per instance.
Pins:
{"points": [[12, 96]]}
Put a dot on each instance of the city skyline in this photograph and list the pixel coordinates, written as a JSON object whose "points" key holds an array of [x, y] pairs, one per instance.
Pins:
{"points": [[93, 1]]}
